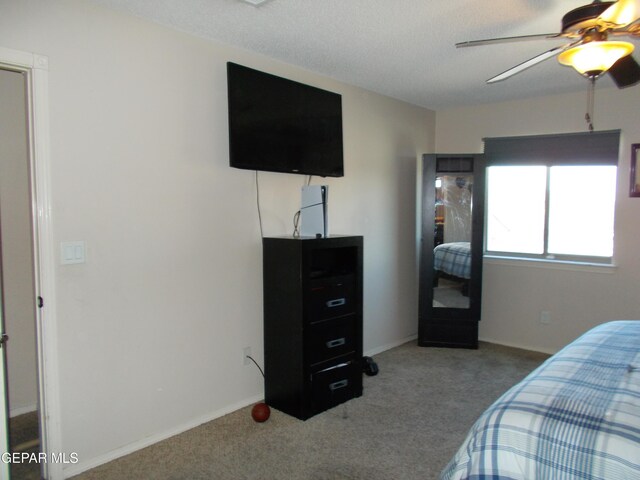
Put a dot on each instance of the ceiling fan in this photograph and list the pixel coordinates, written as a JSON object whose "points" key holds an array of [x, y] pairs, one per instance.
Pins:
{"points": [[590, 50]]}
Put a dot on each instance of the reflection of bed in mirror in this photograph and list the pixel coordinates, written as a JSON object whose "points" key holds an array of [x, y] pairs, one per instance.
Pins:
{"points": [[452, 271]]}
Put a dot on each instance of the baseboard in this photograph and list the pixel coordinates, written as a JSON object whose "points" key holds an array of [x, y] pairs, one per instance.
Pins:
{"points": [[14, 412], [517, 345], [389, 346], [132, 447]]}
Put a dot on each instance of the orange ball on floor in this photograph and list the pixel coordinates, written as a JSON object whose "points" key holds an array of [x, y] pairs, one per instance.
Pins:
{"points": [[260, 412]]}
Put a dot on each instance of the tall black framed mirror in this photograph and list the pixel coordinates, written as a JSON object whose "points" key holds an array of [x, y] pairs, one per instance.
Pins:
{"points": [[451, 247]]}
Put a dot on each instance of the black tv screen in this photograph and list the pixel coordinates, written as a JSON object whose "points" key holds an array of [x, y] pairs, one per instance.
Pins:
{"points": [[279, 125]]}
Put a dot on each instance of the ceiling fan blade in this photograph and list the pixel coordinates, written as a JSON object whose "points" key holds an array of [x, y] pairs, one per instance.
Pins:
{"points": [[621, 13], [531, 62], [491, 41], [625, 72]]}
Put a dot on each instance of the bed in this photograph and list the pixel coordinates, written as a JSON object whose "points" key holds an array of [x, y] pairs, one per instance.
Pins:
{"points": [[577, 416], [453, 259]]}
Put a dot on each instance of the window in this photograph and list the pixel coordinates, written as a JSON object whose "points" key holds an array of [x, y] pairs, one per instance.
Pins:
{"points": [[549, 197], [551, 212]]}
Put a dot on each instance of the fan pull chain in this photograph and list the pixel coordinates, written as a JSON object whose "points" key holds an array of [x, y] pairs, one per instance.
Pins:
{"points": [[590, 102]]}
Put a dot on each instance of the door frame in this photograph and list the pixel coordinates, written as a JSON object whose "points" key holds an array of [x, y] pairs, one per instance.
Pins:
{"points": [[35, 69]]}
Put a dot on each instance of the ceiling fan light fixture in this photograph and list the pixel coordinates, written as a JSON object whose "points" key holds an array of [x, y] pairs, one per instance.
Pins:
{"points": [[622, 12], [592, 59]]}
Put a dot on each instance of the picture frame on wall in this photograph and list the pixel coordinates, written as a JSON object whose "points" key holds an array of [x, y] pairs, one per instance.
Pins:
{"points": [[634, 190]]}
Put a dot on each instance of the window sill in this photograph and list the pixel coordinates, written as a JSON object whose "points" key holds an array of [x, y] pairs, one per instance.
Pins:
{"points": [[550, 264]]}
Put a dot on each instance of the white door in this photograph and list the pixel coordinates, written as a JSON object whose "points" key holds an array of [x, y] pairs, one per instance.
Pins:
{"points": [[4, 431]]}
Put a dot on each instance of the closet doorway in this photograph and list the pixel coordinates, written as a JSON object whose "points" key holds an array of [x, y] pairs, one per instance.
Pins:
{"points": [[34, 70], [17, 270]]}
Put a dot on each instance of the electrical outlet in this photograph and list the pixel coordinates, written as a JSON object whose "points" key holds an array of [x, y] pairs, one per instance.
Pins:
{"points": [[545, 317], [246, 353]]}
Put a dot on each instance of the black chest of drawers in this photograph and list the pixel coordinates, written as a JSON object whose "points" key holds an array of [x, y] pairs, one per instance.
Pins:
{"points": [[312, 322]]}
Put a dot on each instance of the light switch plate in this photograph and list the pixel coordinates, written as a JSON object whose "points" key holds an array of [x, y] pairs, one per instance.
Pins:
{"points": [[72, 252]]}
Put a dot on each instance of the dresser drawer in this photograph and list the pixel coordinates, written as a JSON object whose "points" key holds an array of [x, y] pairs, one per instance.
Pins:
{"points": [[335, 385], [331, 338], [331, 297]]}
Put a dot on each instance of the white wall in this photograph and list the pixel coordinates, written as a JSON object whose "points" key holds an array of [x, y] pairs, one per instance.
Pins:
{"points": [[514, 293], [152, 326], [17, 260]]}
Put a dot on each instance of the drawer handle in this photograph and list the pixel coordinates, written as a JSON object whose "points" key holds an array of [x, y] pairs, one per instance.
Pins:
{"points": [[340, 365], [336, 302], [338, 385], [336, 343]]}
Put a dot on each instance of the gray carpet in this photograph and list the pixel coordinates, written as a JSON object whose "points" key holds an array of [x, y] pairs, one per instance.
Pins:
{"points": [[409, 422], [23, 430]]}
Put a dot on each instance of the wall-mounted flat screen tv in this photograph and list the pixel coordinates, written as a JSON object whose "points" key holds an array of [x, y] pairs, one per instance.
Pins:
{"points": [[279, 125]]}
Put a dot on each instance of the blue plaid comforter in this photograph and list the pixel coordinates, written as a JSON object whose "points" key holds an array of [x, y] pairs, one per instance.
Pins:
{"points": [[453, 258], [575, 417]]}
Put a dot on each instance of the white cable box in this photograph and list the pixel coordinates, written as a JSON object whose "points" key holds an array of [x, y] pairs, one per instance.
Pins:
{"points": [[313, 211]]}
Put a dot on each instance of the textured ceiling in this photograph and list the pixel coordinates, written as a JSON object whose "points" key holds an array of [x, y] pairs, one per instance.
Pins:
{"points": [[400, 48]]}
